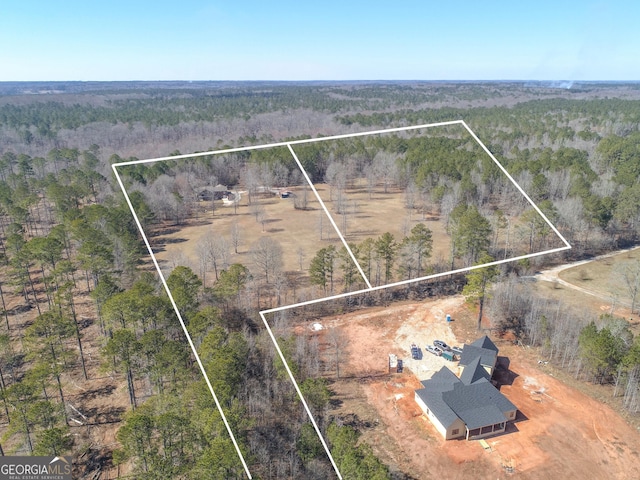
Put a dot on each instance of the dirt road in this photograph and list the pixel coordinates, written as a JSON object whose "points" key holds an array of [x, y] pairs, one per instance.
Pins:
{"points": [[553, 275]]}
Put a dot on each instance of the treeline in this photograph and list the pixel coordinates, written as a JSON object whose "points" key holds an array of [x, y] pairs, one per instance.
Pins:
{"points": [[602, 350], [586, 181], [385, 259], [535, 118], [172, 106]]}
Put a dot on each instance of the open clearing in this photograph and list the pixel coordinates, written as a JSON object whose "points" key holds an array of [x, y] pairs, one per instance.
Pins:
{"points": [[603, 276], [588, 285], [297, 231], [559, 432], [372, 214]]}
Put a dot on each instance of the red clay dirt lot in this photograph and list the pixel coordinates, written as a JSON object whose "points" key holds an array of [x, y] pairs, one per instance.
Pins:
{"points": [[559, 433]]}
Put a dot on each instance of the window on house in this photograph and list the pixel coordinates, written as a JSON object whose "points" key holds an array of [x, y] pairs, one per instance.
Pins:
{"points": [[455, 431]]}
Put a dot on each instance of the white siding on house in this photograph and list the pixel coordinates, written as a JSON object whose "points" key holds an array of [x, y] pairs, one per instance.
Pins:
{"points": [[447, 433], [457, 425], [431, 417]]}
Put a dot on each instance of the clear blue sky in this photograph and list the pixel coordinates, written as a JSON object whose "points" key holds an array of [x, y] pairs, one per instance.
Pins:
{"points": [[330, 40]]}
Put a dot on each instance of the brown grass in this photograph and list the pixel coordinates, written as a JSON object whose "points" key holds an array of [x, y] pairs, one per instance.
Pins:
{"points": [[297, 231], [600, 276]]}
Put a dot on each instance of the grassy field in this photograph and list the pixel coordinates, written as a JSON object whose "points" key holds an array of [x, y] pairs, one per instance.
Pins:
{"points": [[297, 231], [370, 215], [301, 233], [604, 276]]}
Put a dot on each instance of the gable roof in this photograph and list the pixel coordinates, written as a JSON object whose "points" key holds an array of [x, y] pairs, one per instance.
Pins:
{"points": [[474, 372], [470, 398], [441, 381], [482, 416], [485, 342], [444, 379], [435, 402], [471, 352]]}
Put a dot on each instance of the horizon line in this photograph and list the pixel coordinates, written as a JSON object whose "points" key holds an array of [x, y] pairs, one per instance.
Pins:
{"points": [[357, 80]]}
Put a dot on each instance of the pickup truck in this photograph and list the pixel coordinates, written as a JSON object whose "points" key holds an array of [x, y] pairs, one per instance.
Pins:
{"points": [[435, 350]]}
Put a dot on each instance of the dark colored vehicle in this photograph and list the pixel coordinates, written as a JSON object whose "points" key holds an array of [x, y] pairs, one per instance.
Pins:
{"points": [[399, 367], [415, 352]]}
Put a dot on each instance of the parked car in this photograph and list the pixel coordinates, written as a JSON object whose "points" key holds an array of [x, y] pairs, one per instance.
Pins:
{"points": [[441, 345], [435, 350], [457, 350]]}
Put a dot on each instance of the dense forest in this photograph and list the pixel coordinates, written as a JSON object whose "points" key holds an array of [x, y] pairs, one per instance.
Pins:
{"points": [[93, 360]]}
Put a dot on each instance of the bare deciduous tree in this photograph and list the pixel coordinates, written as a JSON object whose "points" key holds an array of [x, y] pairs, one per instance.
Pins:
{"points": [[256, 210], [338, 341], [336, 177], [411, 195], [386, 169], [627, 275], [301, 256], [301, 199], [236, 236], [216, 250], [251, 180], [267, 256]]}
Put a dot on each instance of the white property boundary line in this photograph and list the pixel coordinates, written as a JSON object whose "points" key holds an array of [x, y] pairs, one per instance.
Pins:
{"points": [[330, 217], [343, 295]]}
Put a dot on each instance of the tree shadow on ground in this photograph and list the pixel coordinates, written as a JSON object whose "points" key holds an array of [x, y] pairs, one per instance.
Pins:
{"points": [[94, 393], [104, 416]]}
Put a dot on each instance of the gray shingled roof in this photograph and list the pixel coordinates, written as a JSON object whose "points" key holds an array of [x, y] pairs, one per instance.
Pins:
{"points": [[434, 401], [479, 404], [471, 352], [474, 372], [482, 416], [443, 380], [471, 397], [485, 342]]}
